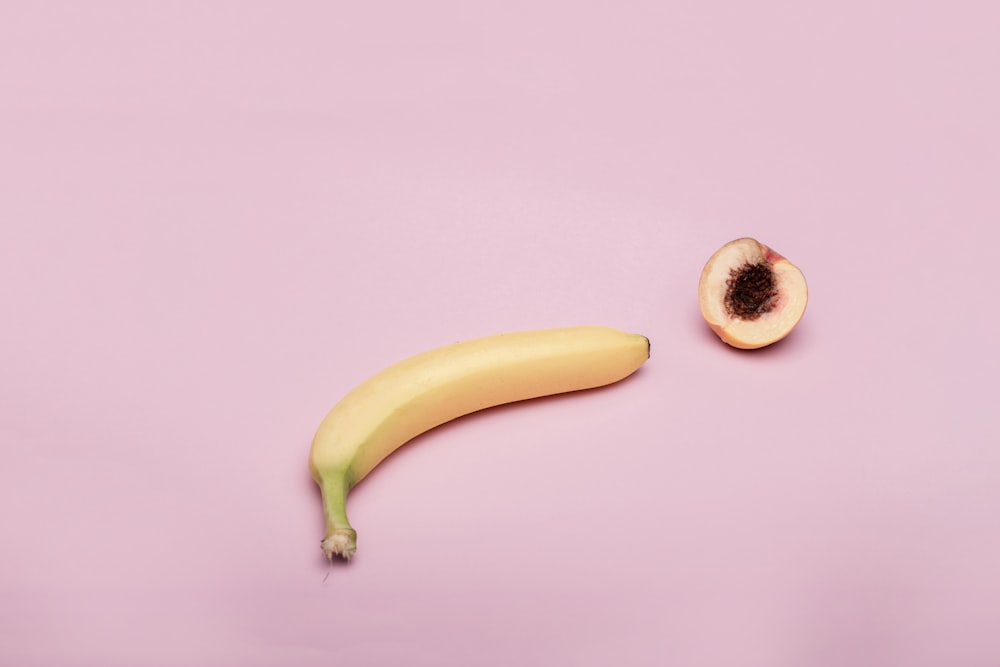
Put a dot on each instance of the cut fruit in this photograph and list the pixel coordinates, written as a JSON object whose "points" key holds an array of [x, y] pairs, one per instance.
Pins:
{"points": [[750, 295]]}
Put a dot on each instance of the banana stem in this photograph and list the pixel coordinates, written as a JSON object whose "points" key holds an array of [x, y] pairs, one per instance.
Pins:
{"points": [[340, 538]]}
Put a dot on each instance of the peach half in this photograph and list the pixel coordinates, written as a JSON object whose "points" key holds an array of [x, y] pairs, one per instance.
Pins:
{"points": [[750, 295]]}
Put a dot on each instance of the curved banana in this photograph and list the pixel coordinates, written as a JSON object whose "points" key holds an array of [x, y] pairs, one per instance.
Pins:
{"points": [[431, 388]]}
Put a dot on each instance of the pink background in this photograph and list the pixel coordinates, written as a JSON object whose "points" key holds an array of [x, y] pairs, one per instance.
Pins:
{"points": [[218, 217]]}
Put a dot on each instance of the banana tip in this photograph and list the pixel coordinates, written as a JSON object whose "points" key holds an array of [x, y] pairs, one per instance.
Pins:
{"points": [[342, 542]]}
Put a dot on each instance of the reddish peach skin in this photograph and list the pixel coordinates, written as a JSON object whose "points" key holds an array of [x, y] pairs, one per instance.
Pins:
{"points": [[766, 317], [771, 256]]}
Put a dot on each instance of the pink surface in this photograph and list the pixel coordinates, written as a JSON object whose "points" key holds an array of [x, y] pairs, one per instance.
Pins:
{"points": [[219, 217]]}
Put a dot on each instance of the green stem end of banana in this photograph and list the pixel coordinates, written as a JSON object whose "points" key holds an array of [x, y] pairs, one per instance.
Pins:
{"points": [[340, 538]]}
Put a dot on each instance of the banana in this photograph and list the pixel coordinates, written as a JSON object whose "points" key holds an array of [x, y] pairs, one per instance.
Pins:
{"points": [[434, 387]]}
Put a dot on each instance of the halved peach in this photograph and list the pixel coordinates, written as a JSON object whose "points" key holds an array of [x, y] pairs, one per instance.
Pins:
{"points": [[750, 295]]}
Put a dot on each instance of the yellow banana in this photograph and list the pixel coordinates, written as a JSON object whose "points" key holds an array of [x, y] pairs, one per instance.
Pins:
{"points": [[434, 387]]}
